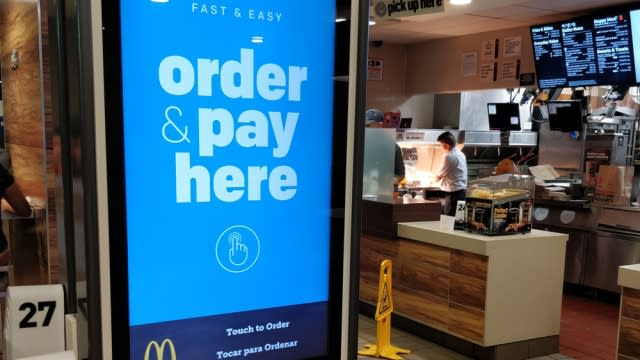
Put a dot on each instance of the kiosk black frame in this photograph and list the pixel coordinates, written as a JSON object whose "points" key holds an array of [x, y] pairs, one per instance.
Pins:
{"points": [[342, 260]]}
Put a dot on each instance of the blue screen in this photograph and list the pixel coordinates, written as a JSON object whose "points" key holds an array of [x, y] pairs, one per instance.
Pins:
{"points": [[227, 146]]}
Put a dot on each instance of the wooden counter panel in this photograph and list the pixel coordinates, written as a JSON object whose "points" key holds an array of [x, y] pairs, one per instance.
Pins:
{"points": [[467, 322], [631, 303], [370, 261], [629, 340], [369, 291], [469, 264], [386, 248], [426, 279], [402, 250], [373, 251], [468, 291], [425, 285], [423, 308], [441, 280], [414, 252], [381, 216]]}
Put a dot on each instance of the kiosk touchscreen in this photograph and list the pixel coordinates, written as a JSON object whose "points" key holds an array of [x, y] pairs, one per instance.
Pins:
{"points": [[227, 236]]}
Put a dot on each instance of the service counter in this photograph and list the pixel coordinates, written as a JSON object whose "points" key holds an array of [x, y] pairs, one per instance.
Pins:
{"points": [[381, 214], [498, 296], [628, 346]]}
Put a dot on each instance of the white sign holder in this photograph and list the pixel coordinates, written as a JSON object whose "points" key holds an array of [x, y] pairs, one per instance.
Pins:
{"points": [[66, 355], [33, 321]]}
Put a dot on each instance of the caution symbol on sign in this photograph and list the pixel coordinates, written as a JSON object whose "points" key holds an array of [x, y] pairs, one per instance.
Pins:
{"points": [[385, 302], [384, 308]]}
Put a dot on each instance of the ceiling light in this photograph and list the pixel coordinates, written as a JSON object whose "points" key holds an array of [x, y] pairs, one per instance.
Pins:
{"points": [[459, 2], [371, 21], [341, 19]]}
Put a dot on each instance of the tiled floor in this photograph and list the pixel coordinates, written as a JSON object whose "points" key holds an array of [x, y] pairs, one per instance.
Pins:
{"points": [[588, 330]]}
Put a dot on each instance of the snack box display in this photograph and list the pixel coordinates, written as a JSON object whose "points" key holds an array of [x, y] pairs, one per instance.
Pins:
{"points": [[500, 207]]}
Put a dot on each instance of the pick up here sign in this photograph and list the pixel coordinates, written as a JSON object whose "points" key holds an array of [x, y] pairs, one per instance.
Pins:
{"points": [[389, 9]]}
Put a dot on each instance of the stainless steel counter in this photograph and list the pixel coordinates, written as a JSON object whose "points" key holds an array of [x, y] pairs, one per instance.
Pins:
{"points": [[600, 239]]}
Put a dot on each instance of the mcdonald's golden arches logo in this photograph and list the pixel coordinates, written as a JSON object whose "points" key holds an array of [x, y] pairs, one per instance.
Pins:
{"points": [[159, 348]]}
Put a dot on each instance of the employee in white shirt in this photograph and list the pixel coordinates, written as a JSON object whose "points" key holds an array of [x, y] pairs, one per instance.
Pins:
{"points": [[453, 174]]}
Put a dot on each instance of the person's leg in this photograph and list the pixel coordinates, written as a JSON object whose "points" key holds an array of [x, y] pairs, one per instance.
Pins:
{"points": [[4, 261], [4, 251], [4, 257], [455, 197], [447, 206]]}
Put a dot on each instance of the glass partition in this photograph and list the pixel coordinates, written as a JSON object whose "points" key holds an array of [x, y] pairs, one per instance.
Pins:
{"points": [[379, 154]]}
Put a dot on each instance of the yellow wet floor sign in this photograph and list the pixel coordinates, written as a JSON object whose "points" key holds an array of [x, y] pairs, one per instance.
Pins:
{"points": [[384, 308]]}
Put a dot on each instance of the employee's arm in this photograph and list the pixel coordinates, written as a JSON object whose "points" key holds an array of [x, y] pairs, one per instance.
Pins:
{"points": [[19, 204], [444, 170], [398, 165]]}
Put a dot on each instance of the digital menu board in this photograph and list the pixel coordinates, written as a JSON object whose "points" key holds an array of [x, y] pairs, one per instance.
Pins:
{"points": [[586, 51], [227, 154]]}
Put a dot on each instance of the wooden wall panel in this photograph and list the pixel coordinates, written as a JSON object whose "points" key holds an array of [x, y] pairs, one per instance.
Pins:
{"points": [[27, 105], [29, 178], [22, 94], [22, 86]]}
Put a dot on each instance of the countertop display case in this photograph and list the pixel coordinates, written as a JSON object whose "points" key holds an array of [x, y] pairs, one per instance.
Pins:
{"points": [[500, 205]]}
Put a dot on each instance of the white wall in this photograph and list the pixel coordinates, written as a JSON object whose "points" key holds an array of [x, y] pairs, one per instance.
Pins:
{"points": [[436, 66], [413, 74], [389, 93]]}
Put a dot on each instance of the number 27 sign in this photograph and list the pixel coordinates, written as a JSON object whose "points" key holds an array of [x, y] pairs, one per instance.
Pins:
{"points": [[34, 322]]}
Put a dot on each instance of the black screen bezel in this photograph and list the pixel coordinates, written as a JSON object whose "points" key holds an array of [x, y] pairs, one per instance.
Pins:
{"points": [[573, 119], [610, 11], [502, 119]]}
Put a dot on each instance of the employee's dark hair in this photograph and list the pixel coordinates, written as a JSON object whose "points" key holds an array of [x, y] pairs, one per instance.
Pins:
{"points": [[447, 138]]}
